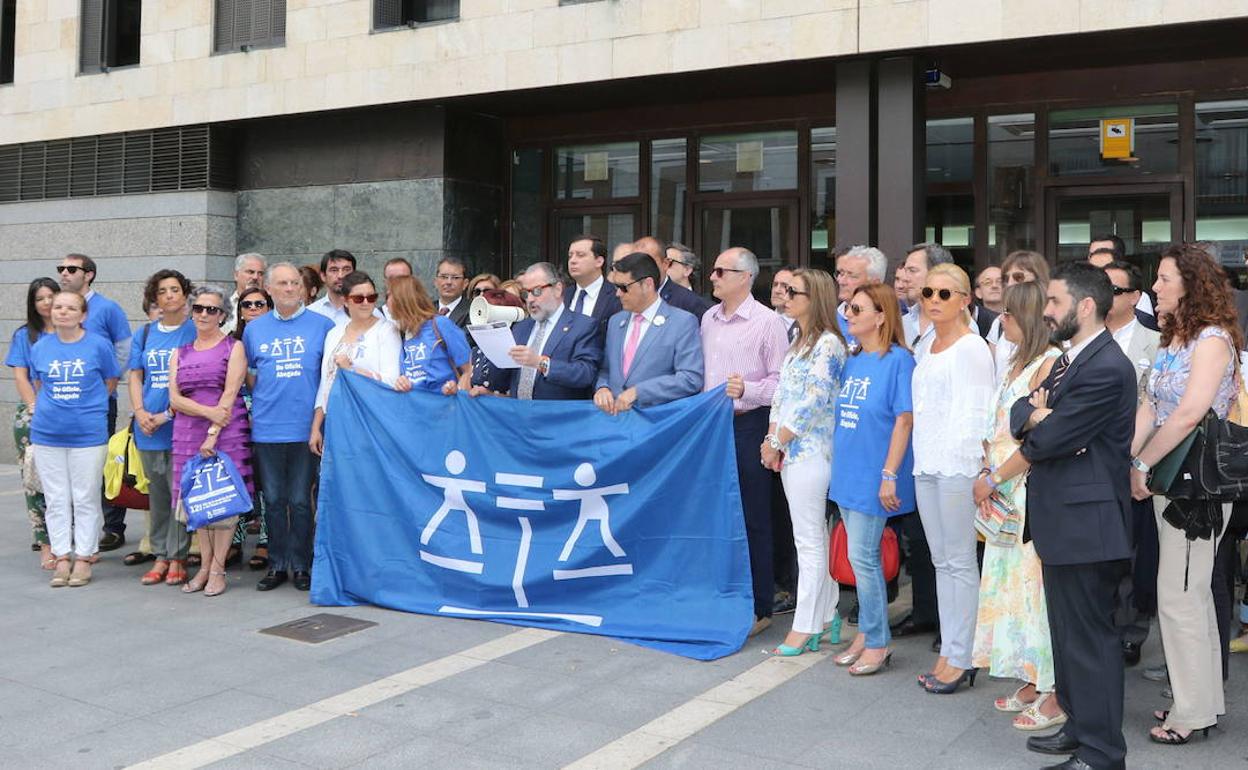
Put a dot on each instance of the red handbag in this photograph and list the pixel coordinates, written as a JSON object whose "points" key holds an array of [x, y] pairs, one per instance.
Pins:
{"points": [[838, 555]]}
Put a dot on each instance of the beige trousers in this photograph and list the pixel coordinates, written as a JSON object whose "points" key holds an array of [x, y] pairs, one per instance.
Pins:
{"points": [[1189, 624]]}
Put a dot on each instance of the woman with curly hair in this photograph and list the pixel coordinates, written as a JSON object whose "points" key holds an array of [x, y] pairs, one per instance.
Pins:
{"points": [[1195, 371]]}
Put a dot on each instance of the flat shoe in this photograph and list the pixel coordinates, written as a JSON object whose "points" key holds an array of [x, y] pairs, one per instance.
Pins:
{"points": [[1012, 704], [136, 558], [1038, 721]]}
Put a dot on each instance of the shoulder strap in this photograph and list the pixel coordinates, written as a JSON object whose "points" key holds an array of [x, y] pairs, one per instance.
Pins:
{"points": [[437, 332]]}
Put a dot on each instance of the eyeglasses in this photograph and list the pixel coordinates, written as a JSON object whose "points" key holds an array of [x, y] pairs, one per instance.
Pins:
{"points": [[678, 262], [719, 271], [857, 310], [848, 274], [71, 269], [448, 277], [477, 292], [536, 291], [944, 294], [1018, 276], [253, 304], [209, 309], [990, 282], [1120, 290], [789, 290], [360, 299], [623, 287]]}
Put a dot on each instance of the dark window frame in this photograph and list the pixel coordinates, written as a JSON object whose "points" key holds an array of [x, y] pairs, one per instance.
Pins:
{"points": [[98, 36], [389, 15], [8, 41], [227, 41]]}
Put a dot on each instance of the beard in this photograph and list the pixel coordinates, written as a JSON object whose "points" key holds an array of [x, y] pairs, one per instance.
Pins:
{"points": [[1065, 329]]}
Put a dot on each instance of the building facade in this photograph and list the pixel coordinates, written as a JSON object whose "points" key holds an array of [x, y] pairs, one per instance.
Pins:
{"points": [[179, 133]]}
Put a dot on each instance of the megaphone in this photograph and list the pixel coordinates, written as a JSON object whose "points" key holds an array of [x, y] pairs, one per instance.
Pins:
{"points": [[482, 312]]}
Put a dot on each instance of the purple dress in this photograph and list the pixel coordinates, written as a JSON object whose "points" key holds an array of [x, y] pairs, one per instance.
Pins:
{"points": [[201, 378]]}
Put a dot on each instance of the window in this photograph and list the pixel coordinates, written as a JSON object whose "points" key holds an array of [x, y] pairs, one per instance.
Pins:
{"points": [[8, 35], [668, 188], [408, 13], [1011, 158], [822, 195], [748, 162], [1075, 141], [950, 195], [597, 171], [110, 34], [526, 207], [1222, 178], [240, 25]]}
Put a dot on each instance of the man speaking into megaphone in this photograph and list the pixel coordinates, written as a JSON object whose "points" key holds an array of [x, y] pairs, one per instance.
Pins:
{"points": [[561, 350]]}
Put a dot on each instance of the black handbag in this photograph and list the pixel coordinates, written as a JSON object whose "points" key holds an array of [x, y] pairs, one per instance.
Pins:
{"points": [[1210, 464]]}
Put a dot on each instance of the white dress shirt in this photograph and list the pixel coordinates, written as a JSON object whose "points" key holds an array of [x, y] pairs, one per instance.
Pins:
{"points": [[591, 295], [649, 315], [550, 324], [1124, 335], [449, 308]]}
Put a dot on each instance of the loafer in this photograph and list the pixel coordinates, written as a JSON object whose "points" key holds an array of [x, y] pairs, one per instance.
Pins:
{"points": [[1074, 763], [302, 580], [111, 541], [784, 602], [1130, 653], [760, 625], [272, 580], [907, 627], [1057, 743]]}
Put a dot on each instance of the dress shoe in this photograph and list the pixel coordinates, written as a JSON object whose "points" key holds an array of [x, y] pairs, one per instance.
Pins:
{"points": [[783, 602], [1074, 763], [272, 580], [936, 643], [1130, 653], [1057, 743], [302, 580], [851, 617], [760, 625], [907, 627], [111, 541]]}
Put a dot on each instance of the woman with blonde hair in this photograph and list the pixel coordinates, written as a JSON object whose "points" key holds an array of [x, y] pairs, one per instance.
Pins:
{"points": [[481, 283], [436, 356], [799, 446], [952, 389], [1012, 632]]}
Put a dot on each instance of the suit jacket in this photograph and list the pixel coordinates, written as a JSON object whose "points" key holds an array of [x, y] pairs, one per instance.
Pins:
{"points": [[1079, 489], [460, 314], [983, 319], [575, 349], [667, 364], [679, 297], [605, 306], [1141, 353], [1241, 307]]}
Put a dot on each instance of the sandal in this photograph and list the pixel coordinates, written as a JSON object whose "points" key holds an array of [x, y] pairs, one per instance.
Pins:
{"points": [[1013, 704], [1171, 737], [234, 555], [78, 579], [219, 591], [137, 558], [60, 578], [1038, 720], [156, 574], [258, 560], [195, 584], [177, 573], [1161, 715]]}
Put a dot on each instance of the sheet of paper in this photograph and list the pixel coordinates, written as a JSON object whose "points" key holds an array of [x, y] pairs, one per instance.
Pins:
{"points": [[495, 340]]}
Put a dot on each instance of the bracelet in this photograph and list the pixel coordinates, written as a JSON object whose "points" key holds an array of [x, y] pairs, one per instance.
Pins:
{"points": [[888, 475], [214, 430], [993, 481], [773, 441], [1140, 465]]}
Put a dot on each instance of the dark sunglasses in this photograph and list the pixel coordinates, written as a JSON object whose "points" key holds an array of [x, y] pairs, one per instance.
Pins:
{"points": [[678, 262], [209, 309], [944, 294], [623, 287], [1120, 290], [1018, 276], [360, 299], [253, 304], [719, 271], [536, 291], [857, 310], [789, 290], [71, 269], [477, 292]]}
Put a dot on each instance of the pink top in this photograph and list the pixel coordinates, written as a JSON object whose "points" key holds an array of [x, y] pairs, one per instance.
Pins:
{"points": [[751, 342]]}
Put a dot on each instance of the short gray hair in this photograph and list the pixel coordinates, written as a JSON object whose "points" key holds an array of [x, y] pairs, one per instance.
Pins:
{"points": [[877, 263], [243, 259], [934, 252], [747, 261], [208, 288], [268, 274], [550, 271], [686, 255]]}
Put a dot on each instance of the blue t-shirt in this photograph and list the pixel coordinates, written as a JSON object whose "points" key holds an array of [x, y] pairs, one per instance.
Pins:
{"points": [[71, 409], [286, 359], [427, 362], [19, 348], [150, 354], [106, 319], [874, 391]]}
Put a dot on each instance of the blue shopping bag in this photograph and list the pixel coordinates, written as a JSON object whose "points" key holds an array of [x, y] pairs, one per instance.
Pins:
{"points": [[212, 490]]}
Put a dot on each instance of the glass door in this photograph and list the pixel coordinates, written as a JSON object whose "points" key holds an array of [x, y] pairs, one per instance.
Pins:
{"points": [[614, 225], [1148, 218], [767, 228]]}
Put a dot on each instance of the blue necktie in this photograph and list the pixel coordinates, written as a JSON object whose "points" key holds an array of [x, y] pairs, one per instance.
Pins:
{"points": [[579, 306]]}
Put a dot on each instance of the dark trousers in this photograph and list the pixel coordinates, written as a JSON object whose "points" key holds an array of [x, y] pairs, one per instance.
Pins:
{"points": [[919, 565], [288, 470], [114, 515], [1087, 657], [1224, 570], [783, 551], [1137, 591], [748, 432]]}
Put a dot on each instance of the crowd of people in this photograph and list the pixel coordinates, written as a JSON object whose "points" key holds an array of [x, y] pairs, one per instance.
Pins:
{"points": [[1004, 428]]}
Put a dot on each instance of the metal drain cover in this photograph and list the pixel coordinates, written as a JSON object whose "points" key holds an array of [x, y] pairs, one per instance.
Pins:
{"points": [[318, 628]]}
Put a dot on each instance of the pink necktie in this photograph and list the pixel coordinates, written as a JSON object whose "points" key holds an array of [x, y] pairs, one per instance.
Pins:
{"points": [[634, 338]]}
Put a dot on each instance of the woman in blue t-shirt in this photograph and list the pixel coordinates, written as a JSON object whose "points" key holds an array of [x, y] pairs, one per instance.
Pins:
{"points": [[38, 325], [872, 478], [74, 372], [436, 357]]}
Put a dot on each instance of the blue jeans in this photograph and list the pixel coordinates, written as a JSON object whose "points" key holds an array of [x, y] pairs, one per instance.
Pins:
{"points": [[864, 532], [289, 471]]}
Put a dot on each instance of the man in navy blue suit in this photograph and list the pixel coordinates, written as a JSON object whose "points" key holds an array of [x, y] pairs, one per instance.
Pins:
{"points": [[653, 352], [559, 351], [589, 294], [672, 293]]}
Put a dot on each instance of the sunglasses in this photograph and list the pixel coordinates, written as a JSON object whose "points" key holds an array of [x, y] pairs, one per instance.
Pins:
{"points": [[536, 291], [360, 299], [944, 294], [253, 304], [1018, 276], [1120, 290], [678, 262], [719, 271], [857, 310], [71, 269], [209, 309], [623, 287], [789, 290], [477, 292]]}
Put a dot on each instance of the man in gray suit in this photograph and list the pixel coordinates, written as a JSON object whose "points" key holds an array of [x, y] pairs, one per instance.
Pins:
{"points": [[653, 352], [1135, 608]]}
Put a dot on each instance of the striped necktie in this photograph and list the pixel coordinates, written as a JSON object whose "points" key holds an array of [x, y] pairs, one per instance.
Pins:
{"points": [[1059, 370]]}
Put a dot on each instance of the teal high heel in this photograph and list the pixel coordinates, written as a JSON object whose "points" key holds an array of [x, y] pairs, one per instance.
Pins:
{"points": [[832, 631], [785, 651]]}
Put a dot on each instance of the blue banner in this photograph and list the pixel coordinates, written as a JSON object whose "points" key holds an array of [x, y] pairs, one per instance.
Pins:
{"points": [[537, 513]]}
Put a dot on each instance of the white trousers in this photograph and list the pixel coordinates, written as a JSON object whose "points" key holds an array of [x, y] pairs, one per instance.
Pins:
{"points": [[806, 487], [71, 488]]}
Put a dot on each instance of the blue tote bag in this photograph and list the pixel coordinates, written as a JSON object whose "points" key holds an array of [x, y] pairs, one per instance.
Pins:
{"points": [[212, 490]]}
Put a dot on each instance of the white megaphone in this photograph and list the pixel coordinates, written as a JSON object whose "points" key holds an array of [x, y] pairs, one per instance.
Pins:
{"points": [[482, 313]]}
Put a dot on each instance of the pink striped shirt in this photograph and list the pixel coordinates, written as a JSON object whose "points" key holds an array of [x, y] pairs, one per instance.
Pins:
{"points": [[751, 342]]}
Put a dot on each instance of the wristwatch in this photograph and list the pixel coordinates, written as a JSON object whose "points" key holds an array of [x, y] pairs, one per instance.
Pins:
{"points": [[543, 365], [1140, 465], [773, 441], [214, 430]]}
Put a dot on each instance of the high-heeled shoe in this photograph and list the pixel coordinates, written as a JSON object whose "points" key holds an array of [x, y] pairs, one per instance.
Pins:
{"points": [[937, 687], [867, 669], [847, 658], [220, 590], [832, 631], [785, 651], [1171, 737]]}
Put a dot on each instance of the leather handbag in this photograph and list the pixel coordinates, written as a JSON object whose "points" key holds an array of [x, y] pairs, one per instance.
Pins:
{"points": [[838, 555], [1162, 477]]}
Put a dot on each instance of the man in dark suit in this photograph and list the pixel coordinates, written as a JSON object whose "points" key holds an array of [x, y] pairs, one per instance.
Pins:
{"points": [[1076, 431], [589, 294], [451, 278], [671, 292], [559, 351]]}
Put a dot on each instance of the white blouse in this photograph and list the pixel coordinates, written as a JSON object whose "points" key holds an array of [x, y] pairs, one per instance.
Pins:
{"points": [[379, 350], [953, 405]]}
